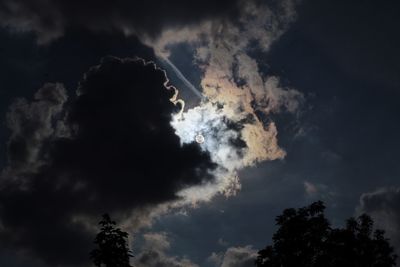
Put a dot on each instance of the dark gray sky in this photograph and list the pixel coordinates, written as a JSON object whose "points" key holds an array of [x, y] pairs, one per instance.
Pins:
{"points": [[342, 145]]}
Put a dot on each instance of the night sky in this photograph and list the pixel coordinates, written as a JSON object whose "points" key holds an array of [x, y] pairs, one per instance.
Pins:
{"points": [[193, 124]]}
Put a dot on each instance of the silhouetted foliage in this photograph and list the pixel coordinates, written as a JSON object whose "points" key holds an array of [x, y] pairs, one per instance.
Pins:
{"points": [[306, 239], [112, 249]]}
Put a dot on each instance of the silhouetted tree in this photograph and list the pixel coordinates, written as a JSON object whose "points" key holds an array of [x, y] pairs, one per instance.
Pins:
{"points": [[306, 239], [112, 248]]}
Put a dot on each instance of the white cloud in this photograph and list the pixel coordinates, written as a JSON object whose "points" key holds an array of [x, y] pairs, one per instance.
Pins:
{"points": [[234, 257], [318, 191], [154, 253], [310, 188]]}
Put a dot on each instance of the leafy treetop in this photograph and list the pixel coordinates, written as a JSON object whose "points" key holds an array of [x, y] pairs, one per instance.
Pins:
{"points": [[305, 238], [111, 246]]}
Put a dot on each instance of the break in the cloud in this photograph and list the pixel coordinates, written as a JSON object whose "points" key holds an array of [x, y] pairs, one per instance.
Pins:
{"points": [[383, 205], [154, 252], [234, 115], [235, 257], [70, 161]]}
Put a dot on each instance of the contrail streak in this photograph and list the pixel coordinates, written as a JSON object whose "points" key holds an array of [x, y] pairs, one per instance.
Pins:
{"points": [[183, 78]]}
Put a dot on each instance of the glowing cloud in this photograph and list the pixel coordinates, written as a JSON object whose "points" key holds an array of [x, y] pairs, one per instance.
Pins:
{"points": [[237, 98]]}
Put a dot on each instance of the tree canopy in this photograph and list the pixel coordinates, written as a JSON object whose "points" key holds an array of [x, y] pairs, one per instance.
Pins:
{"points": [[111, 246], [305, 238]]}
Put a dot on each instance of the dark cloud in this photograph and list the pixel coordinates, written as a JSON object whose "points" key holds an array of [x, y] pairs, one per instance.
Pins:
{"points": [[49, 19], [384, 207], [31, 125], [110, 149]]}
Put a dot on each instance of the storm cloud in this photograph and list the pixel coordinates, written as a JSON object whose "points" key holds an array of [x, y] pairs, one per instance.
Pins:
{"points": [[72, 160], [97, 151], [49, 19]]}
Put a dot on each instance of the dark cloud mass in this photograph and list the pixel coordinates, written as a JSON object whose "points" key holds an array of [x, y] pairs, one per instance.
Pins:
{"points": [[71, 161], [49, 19]]}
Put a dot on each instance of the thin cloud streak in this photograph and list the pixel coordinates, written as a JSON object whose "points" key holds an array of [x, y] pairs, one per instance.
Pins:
{"points": [[183, 78]]}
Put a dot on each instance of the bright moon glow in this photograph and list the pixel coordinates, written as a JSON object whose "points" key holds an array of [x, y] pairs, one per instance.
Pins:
{"points": [[199, 138]]}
